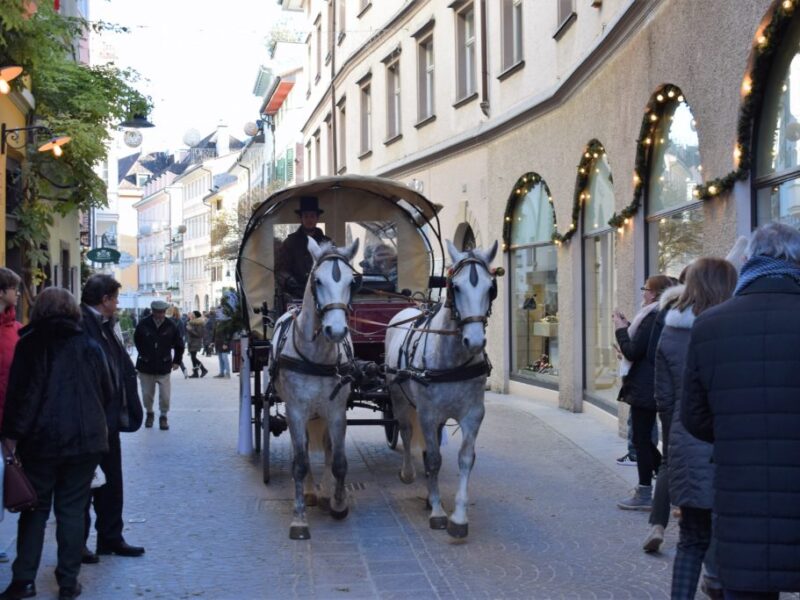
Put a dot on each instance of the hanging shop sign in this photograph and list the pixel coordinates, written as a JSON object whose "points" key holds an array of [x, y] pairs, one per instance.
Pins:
{"points": [[103, 255]]}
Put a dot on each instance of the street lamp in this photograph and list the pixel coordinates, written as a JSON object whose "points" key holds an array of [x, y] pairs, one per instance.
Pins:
{"points": [[137, 122], [14, 139], [6, 75]]}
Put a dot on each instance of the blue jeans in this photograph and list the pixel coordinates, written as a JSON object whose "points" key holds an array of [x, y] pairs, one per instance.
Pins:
{"points": [[224, 363]]}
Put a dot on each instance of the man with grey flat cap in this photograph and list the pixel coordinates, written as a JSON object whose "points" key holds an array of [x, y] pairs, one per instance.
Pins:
{"points": [[293, 263], [160, 348]]}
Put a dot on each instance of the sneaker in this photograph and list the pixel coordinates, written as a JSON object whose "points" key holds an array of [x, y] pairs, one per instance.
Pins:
{"points": [[652, 543], [148, 422], [220, 376], [640, 499], [227, 375], [627, 460]]}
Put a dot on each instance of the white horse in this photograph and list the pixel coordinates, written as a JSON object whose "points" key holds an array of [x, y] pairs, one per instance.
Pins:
{"points": [[313, 355], [437, 370]]}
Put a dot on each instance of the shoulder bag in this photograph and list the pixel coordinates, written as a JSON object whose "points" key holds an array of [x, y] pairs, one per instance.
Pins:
{"points": [[18, 493]]}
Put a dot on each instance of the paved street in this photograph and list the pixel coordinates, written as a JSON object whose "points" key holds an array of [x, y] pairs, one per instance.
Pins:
{"points": [[542, 518]]}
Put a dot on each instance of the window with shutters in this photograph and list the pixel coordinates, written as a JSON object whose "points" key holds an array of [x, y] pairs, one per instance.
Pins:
{"points": [[393, 99], [512, 33], [467, 52], [425, 83], [290, 165]]}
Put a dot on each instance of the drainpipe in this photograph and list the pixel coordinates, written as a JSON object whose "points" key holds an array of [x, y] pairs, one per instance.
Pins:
{"points": [[484, 62]]}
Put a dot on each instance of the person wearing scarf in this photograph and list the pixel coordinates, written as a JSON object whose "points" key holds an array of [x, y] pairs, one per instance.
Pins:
{"points": [[637, 370], [742, 393]]}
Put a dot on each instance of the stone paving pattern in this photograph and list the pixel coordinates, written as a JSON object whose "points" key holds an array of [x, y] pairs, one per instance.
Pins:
{"points": [[543, 520]]}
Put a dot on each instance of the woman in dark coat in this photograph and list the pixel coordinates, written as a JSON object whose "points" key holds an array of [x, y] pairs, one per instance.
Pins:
{"points": [[195, 332], [633, 339], [709, 282], [58, 388]]}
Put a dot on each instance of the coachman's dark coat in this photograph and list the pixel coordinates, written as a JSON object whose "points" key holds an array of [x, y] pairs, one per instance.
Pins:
{"points": [[57, 392], [742, 392], [294, 261]]}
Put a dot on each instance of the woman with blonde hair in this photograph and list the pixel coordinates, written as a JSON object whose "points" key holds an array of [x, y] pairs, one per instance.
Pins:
{"points": [[709, 281]]}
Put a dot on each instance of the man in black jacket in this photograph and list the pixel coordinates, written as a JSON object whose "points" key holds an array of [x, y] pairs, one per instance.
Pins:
{"points": [[293, 263], [742, 392], [99, 301], [160, 348]]}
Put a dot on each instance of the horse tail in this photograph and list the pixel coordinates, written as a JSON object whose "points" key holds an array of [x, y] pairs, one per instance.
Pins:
{"points": [[316, 429]]}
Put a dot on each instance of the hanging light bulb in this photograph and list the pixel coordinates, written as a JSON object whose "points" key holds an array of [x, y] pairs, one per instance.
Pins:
{"points": [[54, 145]]}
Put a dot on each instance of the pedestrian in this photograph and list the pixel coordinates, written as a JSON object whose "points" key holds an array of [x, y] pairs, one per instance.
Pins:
{"points": [[208, 334], [741, 393], [633, 339], [195, 331], [160, 349], [9, 328], [54, 418], [99, 301], [174, 315], [223, 333], [660, 507]]}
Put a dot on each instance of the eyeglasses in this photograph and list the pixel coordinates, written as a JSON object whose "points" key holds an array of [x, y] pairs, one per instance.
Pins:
{"points": [[645, 289]]}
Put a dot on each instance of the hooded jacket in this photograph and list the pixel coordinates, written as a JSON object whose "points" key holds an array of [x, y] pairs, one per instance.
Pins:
{"points": [[690, 470], [57, 390], [9, 334], [195, 332]]}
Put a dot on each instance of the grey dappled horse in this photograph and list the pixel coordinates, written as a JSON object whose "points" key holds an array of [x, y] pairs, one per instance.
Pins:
{"points": [[313, 350], [437, 368]]}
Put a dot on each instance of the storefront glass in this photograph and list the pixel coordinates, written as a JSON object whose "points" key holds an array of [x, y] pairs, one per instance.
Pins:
{"points": [[778, 152], [534, 292], [675, 217], [601, 377]]}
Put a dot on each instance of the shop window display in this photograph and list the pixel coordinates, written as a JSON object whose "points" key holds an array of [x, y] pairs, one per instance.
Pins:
{"points": [[674, 214], [602, 369], [778, 150], [534, 292]]}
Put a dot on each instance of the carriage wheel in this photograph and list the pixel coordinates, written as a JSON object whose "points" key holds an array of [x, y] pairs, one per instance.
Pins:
{"points": [[392, 430], [265, 446]]}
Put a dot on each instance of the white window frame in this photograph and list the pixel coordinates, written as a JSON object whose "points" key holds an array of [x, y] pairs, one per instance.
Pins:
{"points": [[393, 99], [426, 69], [512, 33], [341, 131], [466, 52], [366, 116]]}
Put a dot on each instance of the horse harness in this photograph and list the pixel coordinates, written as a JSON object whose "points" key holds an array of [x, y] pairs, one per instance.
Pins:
{"points": [[341, 370], [410, 345]]}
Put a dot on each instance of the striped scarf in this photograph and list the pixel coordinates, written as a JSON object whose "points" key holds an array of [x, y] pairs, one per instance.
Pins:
{"points": [[765, 266]]}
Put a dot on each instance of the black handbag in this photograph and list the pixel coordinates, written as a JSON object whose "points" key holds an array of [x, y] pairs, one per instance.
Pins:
{"points": [[132, 413], [18, 493]]}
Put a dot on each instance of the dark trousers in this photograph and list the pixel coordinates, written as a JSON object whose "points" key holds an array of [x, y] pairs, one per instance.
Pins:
{"points": [[107, 498], [196, 364], [693, 543], [648, 458], [735, 595], [660, 513], [64, 484]]}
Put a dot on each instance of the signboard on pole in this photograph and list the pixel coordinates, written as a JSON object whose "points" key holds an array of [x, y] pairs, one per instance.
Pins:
{"points": [[103, 255]]}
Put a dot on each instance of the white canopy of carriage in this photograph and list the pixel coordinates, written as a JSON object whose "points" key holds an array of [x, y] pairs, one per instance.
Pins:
{"points": [[398, 229]]}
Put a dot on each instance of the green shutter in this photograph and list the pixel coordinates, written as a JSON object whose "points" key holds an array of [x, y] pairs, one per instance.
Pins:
{"points": [[289, 164], [280, 174]]}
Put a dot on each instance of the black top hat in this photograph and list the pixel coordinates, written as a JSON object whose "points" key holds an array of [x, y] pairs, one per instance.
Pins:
{"points": [[309, 204]]}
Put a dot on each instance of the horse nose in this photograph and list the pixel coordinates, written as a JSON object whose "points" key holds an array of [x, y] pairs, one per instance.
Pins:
{"points": [[346, 330], [328, 331], [466, 342]]}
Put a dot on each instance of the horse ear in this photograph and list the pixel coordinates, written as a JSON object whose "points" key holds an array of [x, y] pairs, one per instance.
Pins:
{"points": [[314, 249], [489, 255], [455, 254], [350, 251]]}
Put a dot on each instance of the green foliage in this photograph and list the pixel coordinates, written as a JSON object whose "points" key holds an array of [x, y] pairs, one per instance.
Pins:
{"points": [[72, 99]]}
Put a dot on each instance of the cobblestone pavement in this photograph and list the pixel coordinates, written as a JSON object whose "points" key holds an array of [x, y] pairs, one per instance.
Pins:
{"points": [[543, 521]]}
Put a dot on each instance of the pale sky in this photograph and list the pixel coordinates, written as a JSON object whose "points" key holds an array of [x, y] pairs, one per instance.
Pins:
{"points": [[198, 58]]}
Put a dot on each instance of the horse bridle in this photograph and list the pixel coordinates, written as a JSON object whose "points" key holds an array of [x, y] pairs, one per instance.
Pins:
{"points": [[450, 301], [354, 286]]}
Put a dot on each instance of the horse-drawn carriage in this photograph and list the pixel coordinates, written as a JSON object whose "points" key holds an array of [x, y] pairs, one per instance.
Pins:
{"points": [[326, 353]]}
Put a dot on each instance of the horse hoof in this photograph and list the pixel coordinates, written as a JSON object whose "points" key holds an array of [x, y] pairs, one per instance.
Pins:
{"points": [[457, 530], [299, 532], [339, 515], [438, 522], [324, 504], [310, 499], [406, 480]]}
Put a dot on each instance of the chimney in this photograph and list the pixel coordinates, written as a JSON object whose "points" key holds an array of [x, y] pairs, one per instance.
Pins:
{"points": [[223, 140]]}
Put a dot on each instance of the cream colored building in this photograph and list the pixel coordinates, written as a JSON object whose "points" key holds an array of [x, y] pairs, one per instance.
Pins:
{"points": [[526, 119]]}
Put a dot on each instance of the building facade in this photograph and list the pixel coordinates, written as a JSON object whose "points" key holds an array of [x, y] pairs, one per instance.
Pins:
{"points": [[598, 141]]}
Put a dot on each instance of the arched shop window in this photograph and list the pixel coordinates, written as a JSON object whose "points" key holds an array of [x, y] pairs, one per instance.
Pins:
{"points": [[674, 214], [534, 294], [777, 178], [601, 376]]}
